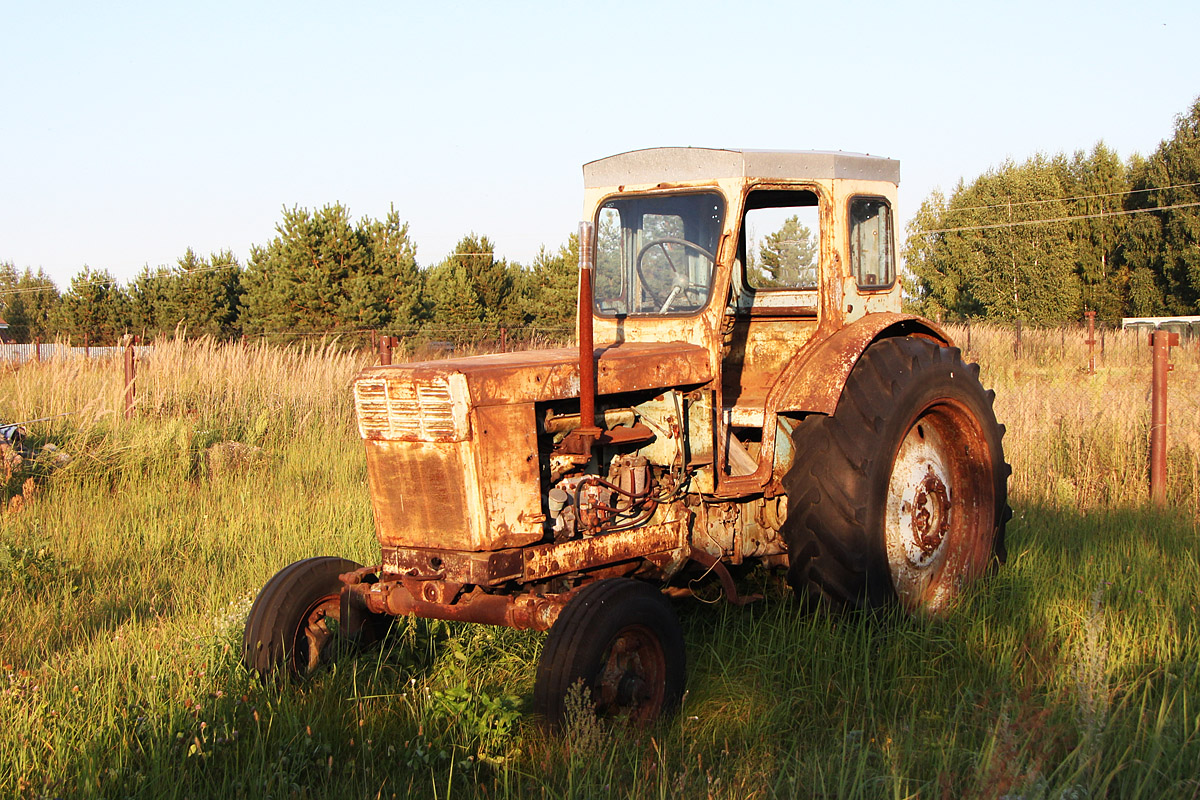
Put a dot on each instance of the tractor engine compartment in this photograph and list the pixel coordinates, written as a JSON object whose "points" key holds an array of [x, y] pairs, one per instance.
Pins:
{"points": [[638, 504]]}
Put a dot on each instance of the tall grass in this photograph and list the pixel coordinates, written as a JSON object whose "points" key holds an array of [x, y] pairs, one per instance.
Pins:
{"points": [[1079, 440], [127, 573]]}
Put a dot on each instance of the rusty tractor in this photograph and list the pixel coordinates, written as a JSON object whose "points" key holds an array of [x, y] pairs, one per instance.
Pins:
{"points": [[745, 390]]}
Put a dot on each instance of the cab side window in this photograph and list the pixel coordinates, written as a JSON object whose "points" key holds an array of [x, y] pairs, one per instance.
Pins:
{"points": [[781, 241], [872, 257]]}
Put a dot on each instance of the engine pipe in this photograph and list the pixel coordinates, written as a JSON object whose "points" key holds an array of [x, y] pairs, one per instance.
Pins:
{"points": [[523, 611], [588, 430]]}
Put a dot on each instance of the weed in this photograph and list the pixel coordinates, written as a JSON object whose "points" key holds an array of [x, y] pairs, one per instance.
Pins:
{"points": [[1092, 681]]}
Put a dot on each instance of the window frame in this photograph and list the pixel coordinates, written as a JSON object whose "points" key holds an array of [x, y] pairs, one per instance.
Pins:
{"points": [[780, 301], [872, 288], [711, 191]]}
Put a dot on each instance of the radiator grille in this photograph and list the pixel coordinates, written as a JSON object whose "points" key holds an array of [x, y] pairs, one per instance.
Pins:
{"points": [[403, 408]]}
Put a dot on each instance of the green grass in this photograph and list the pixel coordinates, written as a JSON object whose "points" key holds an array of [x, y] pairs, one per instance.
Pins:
{"points": [[126, 577]]}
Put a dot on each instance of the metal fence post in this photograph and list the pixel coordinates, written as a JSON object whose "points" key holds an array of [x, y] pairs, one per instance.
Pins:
{"points": [[1160, 342], [1091, 341], [130, 374]]}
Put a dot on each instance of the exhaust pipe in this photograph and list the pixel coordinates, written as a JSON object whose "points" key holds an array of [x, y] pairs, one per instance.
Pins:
{"points": [[588, 430]]}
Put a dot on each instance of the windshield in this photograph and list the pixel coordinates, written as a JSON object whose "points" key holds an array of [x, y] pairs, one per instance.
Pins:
{"points": [[655, 254]]}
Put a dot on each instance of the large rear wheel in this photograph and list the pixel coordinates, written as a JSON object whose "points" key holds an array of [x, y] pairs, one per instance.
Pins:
{"points": [[901, 494]]}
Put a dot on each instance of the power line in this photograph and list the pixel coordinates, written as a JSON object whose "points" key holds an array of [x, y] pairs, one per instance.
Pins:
{"points": [[165, 272], [1070, 199], [1071, 218], [407, 331]]}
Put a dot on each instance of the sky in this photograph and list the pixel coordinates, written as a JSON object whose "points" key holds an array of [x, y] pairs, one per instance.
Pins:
{"points": [[131, 131]]}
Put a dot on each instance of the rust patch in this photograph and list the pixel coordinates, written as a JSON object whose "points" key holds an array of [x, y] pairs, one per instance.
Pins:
{"points": [[813, 382], [422, 493], [546, 561], [930, 512], [514, 611], [505, 378], [475, 568]]}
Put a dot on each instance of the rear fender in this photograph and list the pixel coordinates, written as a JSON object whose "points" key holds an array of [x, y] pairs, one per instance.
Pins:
{"points": [[813, 381]]}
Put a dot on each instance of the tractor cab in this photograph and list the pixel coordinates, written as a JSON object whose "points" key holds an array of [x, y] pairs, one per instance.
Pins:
{"points": [[751, 254]]}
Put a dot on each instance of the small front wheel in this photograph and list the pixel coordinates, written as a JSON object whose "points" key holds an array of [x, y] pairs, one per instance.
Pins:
{"points": [[621, 641], [298, 617]]}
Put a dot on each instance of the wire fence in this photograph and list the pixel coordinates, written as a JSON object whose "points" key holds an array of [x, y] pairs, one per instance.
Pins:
{"points": [[427, 341], [45, 351], [410, 342]]}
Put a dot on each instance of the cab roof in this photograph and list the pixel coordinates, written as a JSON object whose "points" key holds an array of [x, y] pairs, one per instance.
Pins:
{"points": [[686, 164]]}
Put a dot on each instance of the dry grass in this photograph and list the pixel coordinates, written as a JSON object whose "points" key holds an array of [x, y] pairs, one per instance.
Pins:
{"points": [[125, 581], [197, 379], [1078, 440]]}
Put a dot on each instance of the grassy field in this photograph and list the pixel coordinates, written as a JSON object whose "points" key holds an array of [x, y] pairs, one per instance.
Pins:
{"points": [[130, 558]]}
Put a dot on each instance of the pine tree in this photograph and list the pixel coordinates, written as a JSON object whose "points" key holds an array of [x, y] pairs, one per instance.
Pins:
{"points": [[552, 286], [1096, 186], [27, 301], [1140, 251], [299, 282], [472, 293], [321, 273], [95, 308], [491, 278], [153, 301], [210, 293], [456, 311], [386, 292], [788, 257], [1169, 179]]}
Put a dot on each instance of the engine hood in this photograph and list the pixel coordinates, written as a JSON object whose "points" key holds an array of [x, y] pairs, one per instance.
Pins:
{"points": [[541, 375]]}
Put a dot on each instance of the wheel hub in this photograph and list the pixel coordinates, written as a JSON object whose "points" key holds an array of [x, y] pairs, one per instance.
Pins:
{"points": [[928, 515], [919, 506], [634, 665], [317, 635]]}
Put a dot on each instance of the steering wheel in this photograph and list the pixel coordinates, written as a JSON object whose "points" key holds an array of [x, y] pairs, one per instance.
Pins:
{"points": [[680, 281]]}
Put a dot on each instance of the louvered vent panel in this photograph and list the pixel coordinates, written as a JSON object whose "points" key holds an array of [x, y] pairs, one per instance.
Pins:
{"points": [[404, 409]]}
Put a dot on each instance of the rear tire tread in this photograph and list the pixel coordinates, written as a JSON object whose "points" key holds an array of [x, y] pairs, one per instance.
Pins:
{"points": [[834, 559]]}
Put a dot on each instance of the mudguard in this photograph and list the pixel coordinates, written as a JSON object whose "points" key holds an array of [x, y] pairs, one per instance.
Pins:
{"points": [[813, 382]]}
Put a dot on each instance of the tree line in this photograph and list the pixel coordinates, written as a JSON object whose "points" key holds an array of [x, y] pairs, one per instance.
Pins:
{"points": [[322, 272], [1045, 240], [1040, 241]]}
